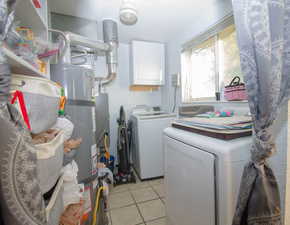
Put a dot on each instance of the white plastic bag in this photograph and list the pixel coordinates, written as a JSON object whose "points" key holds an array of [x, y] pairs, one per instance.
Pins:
{"points": [[72, 190], [66, 125]]}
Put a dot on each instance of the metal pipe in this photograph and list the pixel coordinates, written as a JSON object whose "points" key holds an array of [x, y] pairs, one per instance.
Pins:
{"points": [[109, 46], [66, 42], [76, 39], [83, 53], [110, 33]]}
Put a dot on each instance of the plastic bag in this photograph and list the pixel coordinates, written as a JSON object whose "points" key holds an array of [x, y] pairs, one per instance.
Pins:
{"points": [[72, 215], [66, 125], [104, 171], [45, 49], [72, 190]]}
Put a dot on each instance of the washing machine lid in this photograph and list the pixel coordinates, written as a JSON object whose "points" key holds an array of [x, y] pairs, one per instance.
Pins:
{"points": [[156, 115], [227, 150]]}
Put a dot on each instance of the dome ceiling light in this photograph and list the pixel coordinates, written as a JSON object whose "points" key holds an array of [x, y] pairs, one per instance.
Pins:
{"points": [[128, 12]]}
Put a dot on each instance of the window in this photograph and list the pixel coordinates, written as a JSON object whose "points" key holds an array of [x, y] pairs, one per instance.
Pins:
{"points": [[209, 66]]}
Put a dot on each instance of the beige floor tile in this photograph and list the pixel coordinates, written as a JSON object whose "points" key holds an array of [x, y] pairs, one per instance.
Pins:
{"points": [[139, 185], [144, 194], [117, 200], [126, 216], [156, 182], [119, 188], [157, 222], [152, 210], [160, 190]]}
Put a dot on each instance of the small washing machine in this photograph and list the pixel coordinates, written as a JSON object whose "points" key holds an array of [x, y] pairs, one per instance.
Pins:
{"points": [[147, 147], [202, 177]]}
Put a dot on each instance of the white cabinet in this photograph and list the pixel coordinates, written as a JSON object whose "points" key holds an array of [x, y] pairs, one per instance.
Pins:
{"points": [[147, 63]]}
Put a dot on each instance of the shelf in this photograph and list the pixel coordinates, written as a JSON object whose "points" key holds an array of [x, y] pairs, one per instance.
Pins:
{"points": [[30, 16], [20, 66]]}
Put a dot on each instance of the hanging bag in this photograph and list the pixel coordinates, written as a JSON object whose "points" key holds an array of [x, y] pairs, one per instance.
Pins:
{"points": [[37, 91], [49, 162]]}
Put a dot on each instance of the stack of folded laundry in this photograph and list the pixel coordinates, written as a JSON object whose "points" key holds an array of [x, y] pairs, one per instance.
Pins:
{"points": [[217, 126]]}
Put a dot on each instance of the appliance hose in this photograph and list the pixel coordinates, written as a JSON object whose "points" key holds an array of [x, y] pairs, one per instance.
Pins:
{"points": [[97, 205], [107, 154]]}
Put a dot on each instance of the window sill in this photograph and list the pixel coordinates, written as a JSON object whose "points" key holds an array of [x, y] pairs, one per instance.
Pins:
{"points": [[203, 102]]}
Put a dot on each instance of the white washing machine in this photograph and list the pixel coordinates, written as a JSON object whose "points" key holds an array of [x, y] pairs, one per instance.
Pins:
{"points": [[202, 177], [147, 149]]}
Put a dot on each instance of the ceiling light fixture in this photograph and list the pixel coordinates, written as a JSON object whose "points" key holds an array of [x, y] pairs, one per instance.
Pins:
{"points": [[128, 12]]}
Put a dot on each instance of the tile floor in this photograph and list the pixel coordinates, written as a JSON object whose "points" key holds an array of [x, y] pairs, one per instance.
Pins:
{"points": [[138, 204]]}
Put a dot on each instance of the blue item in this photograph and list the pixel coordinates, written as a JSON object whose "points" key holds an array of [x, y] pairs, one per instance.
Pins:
{"points": [[109, 163]]}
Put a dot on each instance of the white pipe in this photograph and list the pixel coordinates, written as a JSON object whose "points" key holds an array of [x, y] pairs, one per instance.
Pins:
{"points": [[109, 46], [65, 42], [76, 39]]}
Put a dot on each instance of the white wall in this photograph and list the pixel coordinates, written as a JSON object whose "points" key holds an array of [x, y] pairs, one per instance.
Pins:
{"points": [[119, 93]]}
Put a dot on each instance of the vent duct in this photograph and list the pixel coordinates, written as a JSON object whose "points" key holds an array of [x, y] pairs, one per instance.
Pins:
{"points": [[110, 33]]}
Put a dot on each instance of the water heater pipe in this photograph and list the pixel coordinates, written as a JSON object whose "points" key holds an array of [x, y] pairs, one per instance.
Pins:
{"points": [[75, 39], [109, 46], [110, 33]]}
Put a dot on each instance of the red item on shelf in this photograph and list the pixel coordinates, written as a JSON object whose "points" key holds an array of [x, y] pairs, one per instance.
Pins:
{"points": [[37, 4], [48, 53]]}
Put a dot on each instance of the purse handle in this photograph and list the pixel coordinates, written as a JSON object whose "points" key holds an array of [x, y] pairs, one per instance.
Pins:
{"points": [[235, 83]]}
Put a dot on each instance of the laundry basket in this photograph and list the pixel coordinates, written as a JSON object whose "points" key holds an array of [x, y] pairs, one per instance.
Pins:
{"points": [[49, 162], [41, 100], [55, 207]]}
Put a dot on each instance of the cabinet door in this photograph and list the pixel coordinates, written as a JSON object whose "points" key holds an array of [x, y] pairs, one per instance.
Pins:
{"points": [[147, 63]]}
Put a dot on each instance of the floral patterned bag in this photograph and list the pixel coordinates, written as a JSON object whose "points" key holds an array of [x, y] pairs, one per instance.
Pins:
{"points": [[20, 195]]}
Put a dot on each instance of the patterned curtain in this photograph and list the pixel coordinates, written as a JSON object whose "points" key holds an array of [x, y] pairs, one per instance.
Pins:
{"points": [[263, 28], [21, 201]]}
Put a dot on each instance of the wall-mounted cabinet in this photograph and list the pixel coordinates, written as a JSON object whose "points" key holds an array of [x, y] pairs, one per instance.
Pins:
{"points": [[147, 63]]}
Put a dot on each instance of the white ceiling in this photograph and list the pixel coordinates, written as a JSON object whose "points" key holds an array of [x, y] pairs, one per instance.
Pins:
{"points": [[159, 20]]}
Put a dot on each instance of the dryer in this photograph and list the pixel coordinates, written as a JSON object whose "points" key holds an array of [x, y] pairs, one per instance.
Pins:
{"points": [[202, 177]]}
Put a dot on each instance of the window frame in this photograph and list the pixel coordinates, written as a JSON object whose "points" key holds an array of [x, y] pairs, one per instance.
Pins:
{"points": [[212, 32]]}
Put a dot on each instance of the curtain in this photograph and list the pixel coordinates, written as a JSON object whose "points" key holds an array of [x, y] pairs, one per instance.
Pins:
{"points": [[263, 30]]}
